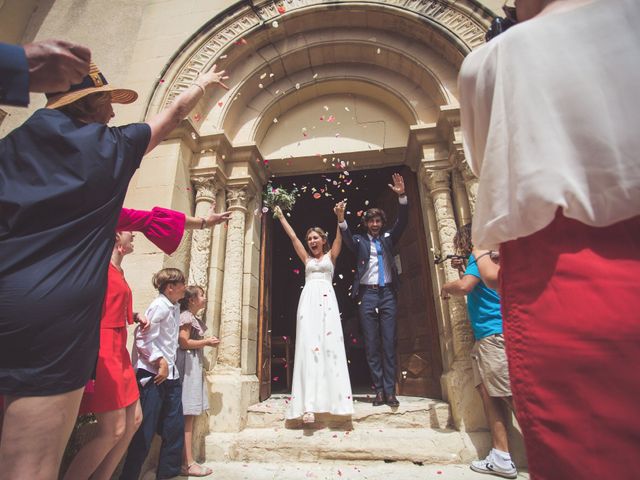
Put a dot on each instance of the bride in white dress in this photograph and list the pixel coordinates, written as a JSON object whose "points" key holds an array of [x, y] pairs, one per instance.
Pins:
{"points": [[320, 375]]}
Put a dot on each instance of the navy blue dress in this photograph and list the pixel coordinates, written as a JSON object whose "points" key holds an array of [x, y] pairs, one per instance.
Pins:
{"points": [[62, 185]]}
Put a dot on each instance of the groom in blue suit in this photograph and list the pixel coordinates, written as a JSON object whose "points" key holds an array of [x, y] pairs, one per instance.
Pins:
{"points": [[375, 287]]}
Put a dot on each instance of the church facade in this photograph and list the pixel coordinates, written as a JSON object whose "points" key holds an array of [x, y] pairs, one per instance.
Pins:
{"points": [[316, 89]]}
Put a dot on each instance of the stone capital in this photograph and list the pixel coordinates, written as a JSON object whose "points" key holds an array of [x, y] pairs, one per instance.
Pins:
{"points": [[437, 181], [238, 197], [466, 172], [206, 187]]}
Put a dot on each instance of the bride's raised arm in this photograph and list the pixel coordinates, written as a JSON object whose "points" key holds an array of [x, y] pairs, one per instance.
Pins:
{"points": [[297, 244], [337, 244]]}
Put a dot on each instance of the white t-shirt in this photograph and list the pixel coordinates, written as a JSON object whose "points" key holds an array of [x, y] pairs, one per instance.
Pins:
{"points": [[550, 116]]}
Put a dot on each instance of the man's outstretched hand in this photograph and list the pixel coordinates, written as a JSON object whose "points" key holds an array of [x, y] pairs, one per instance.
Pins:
{"points": [[398, 184]]}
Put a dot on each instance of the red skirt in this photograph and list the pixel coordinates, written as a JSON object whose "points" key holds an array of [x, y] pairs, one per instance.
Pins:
{"points": [[571, 306], [115, 384]]}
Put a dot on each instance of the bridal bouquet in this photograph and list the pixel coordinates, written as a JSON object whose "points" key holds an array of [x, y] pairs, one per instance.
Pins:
{"points": [[279, 197]]}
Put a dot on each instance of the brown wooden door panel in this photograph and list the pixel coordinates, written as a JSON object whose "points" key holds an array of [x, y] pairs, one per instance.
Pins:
{"points": [[264, 321]]}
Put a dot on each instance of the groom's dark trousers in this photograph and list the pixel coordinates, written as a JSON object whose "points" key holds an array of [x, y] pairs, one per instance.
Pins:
{"points": [[377, 310]]}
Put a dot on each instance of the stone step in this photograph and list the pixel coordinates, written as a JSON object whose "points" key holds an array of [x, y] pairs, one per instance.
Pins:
{"points": [[284, 445], [413, 412]]}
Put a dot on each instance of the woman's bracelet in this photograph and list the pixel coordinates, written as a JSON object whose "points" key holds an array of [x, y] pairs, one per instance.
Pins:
{"points": [[200, 87], [203, 223]]}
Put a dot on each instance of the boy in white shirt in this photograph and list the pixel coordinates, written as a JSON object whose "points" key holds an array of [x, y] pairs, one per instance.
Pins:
{"points": [[158, 379]]}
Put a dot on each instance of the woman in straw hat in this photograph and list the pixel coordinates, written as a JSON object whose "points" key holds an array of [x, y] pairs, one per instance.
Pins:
{"points": [[64, 174]]}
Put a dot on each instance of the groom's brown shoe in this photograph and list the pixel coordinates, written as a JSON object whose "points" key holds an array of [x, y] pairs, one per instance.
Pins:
{"points": [[379, 400], [392, 401]]}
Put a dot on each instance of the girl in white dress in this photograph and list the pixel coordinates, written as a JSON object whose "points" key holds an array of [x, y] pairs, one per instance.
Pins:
{"points": [[320, 375]]}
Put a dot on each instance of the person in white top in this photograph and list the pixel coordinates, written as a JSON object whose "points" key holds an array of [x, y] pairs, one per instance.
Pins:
{"points": [[321, 381], [159, 381], [550, 115]]}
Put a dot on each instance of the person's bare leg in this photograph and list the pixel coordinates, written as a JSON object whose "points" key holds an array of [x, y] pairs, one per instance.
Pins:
{"points": [[188, 437], [111, 461], [35, 433], [111, 428], [495, 412], [509, 402]]}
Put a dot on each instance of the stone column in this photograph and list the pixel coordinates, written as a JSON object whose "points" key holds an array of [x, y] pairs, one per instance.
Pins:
{"points": [[231, 317], [463, 209], [466, 410], [231, 390], [206, 190], [470, 183]]}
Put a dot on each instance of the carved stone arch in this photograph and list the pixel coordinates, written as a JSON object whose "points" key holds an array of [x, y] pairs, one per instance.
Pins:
{"points": [[456, 26]]}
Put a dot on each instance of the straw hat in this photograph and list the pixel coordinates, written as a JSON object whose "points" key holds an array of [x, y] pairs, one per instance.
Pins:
{"points": [[92, 83]]}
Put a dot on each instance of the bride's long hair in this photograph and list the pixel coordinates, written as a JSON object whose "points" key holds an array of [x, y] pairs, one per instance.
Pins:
{"points": [[325, 246]]}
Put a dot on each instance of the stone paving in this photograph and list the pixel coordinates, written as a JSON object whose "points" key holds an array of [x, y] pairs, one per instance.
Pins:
{"points": [[343, 471]]}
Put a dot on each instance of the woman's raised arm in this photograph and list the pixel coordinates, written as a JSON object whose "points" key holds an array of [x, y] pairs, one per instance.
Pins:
{"points": [[297, 244], [164, 122], [336, 248]]}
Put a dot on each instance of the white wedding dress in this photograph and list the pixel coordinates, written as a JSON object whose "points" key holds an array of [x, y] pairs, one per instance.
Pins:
{"points": [[320, 375]]}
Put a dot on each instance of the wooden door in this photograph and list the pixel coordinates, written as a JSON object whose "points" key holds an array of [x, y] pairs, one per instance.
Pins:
{"points": [[264, 319], [419, 362]]}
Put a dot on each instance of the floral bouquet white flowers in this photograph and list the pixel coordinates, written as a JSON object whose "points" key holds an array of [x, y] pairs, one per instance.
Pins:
{"points": [[279, 197]]}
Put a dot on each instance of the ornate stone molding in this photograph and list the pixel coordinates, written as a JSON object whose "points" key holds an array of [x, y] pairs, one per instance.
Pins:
{"points": [[460, 23]]}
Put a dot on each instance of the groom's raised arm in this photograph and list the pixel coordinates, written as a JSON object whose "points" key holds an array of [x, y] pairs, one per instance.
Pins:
{"points": [[347, 238], [401, 221]]}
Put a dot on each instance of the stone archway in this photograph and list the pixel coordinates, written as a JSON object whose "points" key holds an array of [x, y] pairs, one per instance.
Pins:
{"points": [[391, 56]]}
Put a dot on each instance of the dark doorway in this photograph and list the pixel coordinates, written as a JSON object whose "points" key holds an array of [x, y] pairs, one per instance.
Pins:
{"points": [[363, 189]]}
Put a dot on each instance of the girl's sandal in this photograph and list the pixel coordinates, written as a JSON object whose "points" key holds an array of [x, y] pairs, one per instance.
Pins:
{"points": [[195, 470], [308, 417]]}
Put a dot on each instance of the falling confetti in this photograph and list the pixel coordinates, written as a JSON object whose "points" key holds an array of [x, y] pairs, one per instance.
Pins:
{"points": [[260, 85], [193, 135], [220, 103], [265, 209], [275, 24], [297, 86], [296, 271], [378, 51], [281, 9], [275, 120], [326, 108], [223, 57], [331, 119], [162, 80], [316, 195], [242, 41]]}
